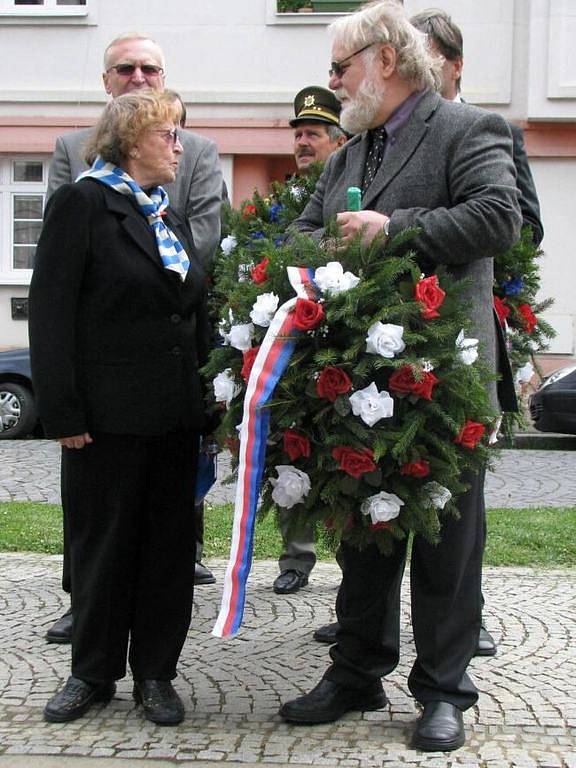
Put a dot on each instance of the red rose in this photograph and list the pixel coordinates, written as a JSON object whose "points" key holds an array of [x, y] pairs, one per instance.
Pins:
{"points": [[333, 382], [470, 434], [307, 314], [403, 382], [353, 462], [381, 526], [233, 444], [249, 210], [429, 293], [296, 444], [248, 356], [502, 310], [259, 273], [529, 319], [415, 468]]}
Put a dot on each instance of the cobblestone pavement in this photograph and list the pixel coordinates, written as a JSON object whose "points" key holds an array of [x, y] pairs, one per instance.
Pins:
{"points": [[29, 471], [525, 718]]}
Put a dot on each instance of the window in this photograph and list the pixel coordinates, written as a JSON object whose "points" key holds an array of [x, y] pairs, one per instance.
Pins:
{"points": [[23, 8], [22, 191]]}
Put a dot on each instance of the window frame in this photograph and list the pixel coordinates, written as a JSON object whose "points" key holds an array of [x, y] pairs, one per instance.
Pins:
{"points": [[9, 189], [9, 11]]}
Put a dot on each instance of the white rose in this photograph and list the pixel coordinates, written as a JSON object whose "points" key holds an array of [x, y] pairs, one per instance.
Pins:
{"points": [[372, 405], [240, 336], [385, 339], [228, 244], [264, 308], [524, 374], [438, 495], [382, 507], [332, 279], [296, 192], [291, 486], [225, 387], [468, 349]]}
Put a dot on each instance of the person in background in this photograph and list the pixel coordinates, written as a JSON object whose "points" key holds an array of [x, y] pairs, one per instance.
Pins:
{"points": [[133, 62], [118, 319], [445, 39], [317, 135], [445, 169]]}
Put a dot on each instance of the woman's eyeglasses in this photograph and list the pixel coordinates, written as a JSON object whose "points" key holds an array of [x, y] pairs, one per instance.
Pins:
{"points": [[127, 70], [168, 136]]}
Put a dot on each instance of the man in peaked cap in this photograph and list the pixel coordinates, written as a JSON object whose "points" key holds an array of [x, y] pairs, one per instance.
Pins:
{"points": [[316, 124], [317, 134]]}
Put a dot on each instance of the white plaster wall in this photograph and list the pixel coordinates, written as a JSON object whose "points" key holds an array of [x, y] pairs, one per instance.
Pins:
{"points": [[556, 184], [13, 333]]}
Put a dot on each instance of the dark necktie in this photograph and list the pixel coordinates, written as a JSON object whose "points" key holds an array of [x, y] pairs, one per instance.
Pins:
{"points": [[374, 158]]}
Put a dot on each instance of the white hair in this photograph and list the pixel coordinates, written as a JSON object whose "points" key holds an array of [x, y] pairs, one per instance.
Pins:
{"points": [[386, 22]]}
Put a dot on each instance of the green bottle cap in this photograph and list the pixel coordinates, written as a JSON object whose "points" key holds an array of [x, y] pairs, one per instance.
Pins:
{"points": [[354, 196]]}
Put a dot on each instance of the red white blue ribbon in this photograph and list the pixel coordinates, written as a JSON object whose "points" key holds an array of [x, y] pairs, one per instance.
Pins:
{"points": [[270, 363]]}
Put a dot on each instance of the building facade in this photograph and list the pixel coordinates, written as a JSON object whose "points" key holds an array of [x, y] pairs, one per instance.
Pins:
{"points": [[238, 65]]}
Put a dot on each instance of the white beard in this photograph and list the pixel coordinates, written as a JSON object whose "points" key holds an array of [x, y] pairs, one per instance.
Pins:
{"points": [[360, 113]]}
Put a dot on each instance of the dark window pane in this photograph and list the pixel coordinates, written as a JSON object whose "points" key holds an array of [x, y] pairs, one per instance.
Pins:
{"points": [[27, 207], [24, 256], [28, 2], [28, 170], [70, 2], [26, 232]]}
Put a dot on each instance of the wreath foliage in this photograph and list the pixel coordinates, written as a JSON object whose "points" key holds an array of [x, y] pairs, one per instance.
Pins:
{"points": [[367, 483]]}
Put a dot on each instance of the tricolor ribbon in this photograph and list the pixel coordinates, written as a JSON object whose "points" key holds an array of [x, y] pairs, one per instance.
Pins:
{"points": [[270, 363]]}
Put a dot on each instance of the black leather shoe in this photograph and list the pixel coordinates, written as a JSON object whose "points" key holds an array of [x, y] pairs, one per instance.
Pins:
{"points": [[161, 703], [203, 575], [61, 630], [75, 699], [327, 633], [290, 581], [328, 702], [486, 644], [440, 728]]}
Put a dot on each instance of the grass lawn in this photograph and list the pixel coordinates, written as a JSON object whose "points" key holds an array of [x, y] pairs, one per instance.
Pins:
{"points": [[540, 537]]}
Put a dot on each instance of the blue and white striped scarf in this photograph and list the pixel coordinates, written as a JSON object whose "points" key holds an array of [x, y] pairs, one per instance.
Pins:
{"points": [[172, 253]]}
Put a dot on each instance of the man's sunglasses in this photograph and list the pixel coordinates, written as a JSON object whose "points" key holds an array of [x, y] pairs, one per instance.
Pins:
{"points": [[336, 67], [127, 70]]}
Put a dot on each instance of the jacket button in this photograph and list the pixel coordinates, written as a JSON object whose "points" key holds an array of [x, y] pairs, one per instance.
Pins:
{"points": [[176, 351], [175, 319]]}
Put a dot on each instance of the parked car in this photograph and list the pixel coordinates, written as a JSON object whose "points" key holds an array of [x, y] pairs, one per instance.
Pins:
{"points": [[553, 405], [17, 408]]}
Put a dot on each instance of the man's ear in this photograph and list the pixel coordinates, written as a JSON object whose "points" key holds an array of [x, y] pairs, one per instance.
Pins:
{"points": [[342, 140], [106, 83], [388, 60]]}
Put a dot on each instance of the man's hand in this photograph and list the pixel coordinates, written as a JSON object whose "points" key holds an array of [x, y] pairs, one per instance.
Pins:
{"points": [[352, 222], [76, 441]]}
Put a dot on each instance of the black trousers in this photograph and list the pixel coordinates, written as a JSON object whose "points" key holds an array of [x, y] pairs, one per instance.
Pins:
{"points": [[131, 524], [445, 585]]}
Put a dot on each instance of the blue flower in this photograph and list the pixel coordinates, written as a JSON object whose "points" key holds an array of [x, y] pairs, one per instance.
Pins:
{"points": [[279, 242], [513, 287], [275, 211], [257, 235]]}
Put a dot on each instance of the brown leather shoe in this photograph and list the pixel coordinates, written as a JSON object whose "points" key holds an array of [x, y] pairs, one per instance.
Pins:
{"points": [[76, 698]]}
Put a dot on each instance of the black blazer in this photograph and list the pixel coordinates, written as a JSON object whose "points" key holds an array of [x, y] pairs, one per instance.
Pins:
{"points": [[115, 338]]}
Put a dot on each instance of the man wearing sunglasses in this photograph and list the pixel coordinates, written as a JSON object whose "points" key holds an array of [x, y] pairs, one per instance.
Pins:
{"points": [[132, 62], [445, 169]]}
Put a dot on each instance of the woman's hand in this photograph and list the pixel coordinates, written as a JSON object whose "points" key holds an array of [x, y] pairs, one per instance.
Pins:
{"points": [[75, 441]]}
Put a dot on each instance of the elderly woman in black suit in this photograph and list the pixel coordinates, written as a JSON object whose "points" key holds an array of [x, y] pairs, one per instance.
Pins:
{"points": [[118, 330]]}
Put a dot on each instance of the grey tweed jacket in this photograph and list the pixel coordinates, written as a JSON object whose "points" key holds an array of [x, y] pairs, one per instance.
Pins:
{"points": [[195, 194], [450, 173]]}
